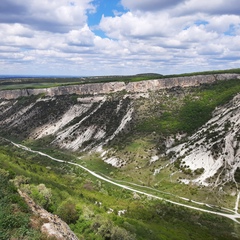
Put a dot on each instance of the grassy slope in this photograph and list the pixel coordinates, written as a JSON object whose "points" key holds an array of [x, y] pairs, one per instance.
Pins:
{"points": [[236, 70], [14, 213], [193, 111], [171, 115], [145, 219]]}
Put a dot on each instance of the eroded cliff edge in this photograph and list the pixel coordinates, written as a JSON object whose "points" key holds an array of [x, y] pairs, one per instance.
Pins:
{"points": [[110, 87]]}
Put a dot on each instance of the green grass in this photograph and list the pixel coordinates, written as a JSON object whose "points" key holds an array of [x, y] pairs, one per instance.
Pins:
{"points": [[14, 213], [36, 83], [196, 109], [95, 163], [146, 219], [235, 70]]}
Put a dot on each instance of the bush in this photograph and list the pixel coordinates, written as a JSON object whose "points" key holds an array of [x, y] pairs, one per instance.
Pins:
{"points": [[14, 212], [42, 195], [67, 211], [118, 233]]}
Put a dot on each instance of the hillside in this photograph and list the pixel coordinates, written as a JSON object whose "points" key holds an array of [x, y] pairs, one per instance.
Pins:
{"points": [[214, 148], [176, 137]]}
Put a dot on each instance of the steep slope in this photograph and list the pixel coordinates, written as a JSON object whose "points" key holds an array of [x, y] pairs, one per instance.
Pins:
{"points": [[112, 87], [51, 225], [136, 129], [73, 123], [213, 151]]}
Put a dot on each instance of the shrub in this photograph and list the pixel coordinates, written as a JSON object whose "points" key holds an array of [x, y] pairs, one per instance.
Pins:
{"points": [[67, 211]]}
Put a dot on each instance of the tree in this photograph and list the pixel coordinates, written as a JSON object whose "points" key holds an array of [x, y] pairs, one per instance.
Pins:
{"points": [[121, 234], [42, 195], [67, 211]]}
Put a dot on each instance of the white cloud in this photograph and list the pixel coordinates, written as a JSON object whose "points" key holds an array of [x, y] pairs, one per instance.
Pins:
{"points": [[197, 34], [81, 37], [130, 25], [53, 37], [150, 5], [142, 25], [16, 29], [53, 16], [218, 7], [211, 49], [222, 23]]}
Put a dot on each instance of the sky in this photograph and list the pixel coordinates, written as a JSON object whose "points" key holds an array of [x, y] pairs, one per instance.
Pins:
{"points": [[118, 37]]}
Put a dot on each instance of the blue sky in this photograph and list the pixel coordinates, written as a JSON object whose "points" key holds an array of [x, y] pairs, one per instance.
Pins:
{"points": [[106, 8], [85, 37], [103, 8]]}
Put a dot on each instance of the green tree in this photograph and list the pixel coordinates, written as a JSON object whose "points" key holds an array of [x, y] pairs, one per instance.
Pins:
{"points": [[42, 195], [67, 211], [121, 234]]}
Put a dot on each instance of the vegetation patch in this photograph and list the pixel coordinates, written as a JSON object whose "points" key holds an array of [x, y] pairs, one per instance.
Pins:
{"points": [[195, 109], [14, 213], [91, 206]]}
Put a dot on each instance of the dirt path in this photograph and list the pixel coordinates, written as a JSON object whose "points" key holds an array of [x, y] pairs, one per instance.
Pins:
{"points": [[233, 216], [237, 202]]}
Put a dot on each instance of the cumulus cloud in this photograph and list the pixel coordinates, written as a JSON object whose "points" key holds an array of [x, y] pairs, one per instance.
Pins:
{"points": [[223, 23], [219, 7], [81, 37], [130, 25], [165, 36], [54, 16], [150, 5], [143, 25]]}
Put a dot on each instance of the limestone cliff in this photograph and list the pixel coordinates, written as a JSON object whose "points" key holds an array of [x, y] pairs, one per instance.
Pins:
{"points": [[131, 87]]}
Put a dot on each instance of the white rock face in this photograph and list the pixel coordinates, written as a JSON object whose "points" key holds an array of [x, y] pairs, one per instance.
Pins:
{"points": [[64, 137], [215, 147], [52, 128], [127, 117], [76, 136], [154, 159], [110, 87], [83, 125], [114, 161], [15, 118]]}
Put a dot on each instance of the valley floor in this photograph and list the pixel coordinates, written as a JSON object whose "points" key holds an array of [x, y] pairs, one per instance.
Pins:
{"points": [[228, 213]]}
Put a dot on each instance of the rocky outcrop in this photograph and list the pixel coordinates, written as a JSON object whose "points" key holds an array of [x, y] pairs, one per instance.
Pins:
{"points": [[131, 87], [52, 226], [98, 88], [213, 152]]}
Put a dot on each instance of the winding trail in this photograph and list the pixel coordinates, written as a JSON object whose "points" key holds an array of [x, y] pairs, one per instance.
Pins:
{"points": [[233, 216], [176, 196], [237, 202]]}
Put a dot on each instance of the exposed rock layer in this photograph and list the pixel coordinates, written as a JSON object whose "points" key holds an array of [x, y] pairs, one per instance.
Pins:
{"points": [[132, 87], [214, 148], [73, 124], [83, 123], [53, 227]]}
